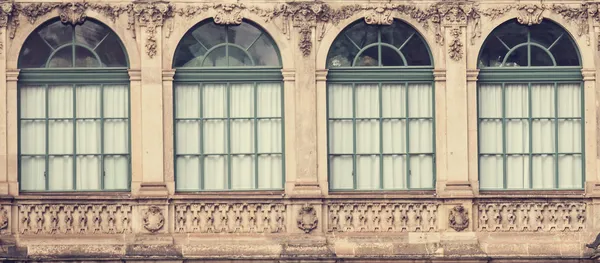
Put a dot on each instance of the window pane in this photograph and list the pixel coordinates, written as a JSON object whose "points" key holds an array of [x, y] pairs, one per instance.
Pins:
{"points": [[270, 171], [368, 58], [89, 173], [390, 57], [188, 172], [517, 174], [242, 172], [394, 136], [90, 33], [210, 34], [421, 136], [565, 53], [269, 136], [188, 137], [490, 134], [517, 100], [241, 97], [215, 172], [60, 101], [490, 101], [216, 58], [421, 171], [491, 171], [341, 171], [340, 101], [88, 101], [544, 135], [264, 52], [539, 57], [341, 136], [116, 136], [34, 53], [116, 101], [569, 100], [420, 100], [367, 136], [32, 173], [214, 102], [215, 136], [569, 136], [517, 58], [60, 137], [85, 58], [570, 174], [367, 101], [543, 171], [116, 170], [542, 100], [342, 52], [362, 34], [190, 52], [243, 34], [268, 97], [57, 34], [368, 172], [238, 57], [394, 172], [33, 137], [394, 101], [242, 136], [416, 52], [89, 136], [517, 136], [62, 58], [187, 101], [60, 172], [111, 52]]}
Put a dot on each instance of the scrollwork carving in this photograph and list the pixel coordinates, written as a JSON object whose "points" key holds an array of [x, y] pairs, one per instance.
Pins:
{"points": [[73, 13], [151, 15], [379, 16], [530, 14], [307, 219], [229, 14], [458, 218]]}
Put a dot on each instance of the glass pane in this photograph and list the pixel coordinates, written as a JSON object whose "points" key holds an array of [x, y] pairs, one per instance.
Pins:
{"points": [[544, 171], [241, 97], [367, 101], [369, 57], [362, 34], [270, 172], [215, 136], [238, 57], [517, 100], [32, 101], [89, 173], [90, 33], [242, 172], [32, 173], [518, 58], [214, 101], [546, 33], [341, 137], [569, 136], [517, 174], [544, 134], [491, 171], [342, 52], [367, 172], [416, 52], [264, 52], [190, 52], [390, 57], [570, 171], [187, 101], [116, 101], [421, 171], [188, 173], [367, 136], [493, 52], [188, 137], [420, 100], [57, 34], [340, 101], [111, 52], [517, 136], [216, 58], [341, 170], [215, 172], [60, 137], [35, 52], [397, 33], [62, 58], [60, 101], [569, 100], [88, 101], [565, 52], [89, 136], [511, 33], [539, 57], [33, 137], [116, 172], [268, 96], [490, 101], [421, 136], [60, 174], [242, 136], [393, 100], [394, 172], [542, 100], [394, 136], [85, 58], [269, 136], [490, 134], [210, 34], [116, 136], [244, 34]]}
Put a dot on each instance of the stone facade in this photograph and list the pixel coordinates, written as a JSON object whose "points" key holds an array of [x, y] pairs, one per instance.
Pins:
{"points": [[305, 221]]}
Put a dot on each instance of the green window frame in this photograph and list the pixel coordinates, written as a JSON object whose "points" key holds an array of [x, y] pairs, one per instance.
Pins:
{"points": [[250, 68], [401, 58], [557, 73], [109, 69]]}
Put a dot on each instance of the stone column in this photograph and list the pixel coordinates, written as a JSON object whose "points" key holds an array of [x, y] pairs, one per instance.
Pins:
{"points": [[9, 162], [457, 152], [167, 95], [289, 81], [441, 140], [322, 136], [473, 134], [592, 183]]}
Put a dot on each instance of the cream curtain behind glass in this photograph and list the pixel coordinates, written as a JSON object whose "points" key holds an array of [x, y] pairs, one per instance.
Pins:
{"points": [[202, 140], [543, 135], [74, 129], [376, 135]]}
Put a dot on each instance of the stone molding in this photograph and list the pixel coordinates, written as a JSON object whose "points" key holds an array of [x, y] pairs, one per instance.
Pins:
{"points": [[382, 217], [532, 216], [230, 218]]}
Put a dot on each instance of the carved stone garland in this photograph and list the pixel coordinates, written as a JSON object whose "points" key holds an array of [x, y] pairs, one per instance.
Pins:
{"points": [[152, 15], [455, 47], [307, 219], [458, 219], [153, 219]]}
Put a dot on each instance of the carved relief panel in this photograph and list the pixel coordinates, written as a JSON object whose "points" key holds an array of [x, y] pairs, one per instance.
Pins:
{"points": [[532, 216]]}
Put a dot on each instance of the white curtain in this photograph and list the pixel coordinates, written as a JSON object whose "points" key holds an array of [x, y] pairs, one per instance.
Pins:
{"points": [[248, 138], [366, 103], [81, 137], [543, 135]]}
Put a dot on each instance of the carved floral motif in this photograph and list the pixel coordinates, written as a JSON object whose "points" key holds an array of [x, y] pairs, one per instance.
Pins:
{"points": [[4, 218], [530, 14], [74, 219], [458, 218], [455, 47], [152, 15], [532, 216], [307, 219], [153, 219], [382, 217], [229, 14], [379, 16], [230, 218]]}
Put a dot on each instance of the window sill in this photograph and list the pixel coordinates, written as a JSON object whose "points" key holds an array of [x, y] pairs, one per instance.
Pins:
{"points": [[369, 194], [84, 196], [231, 195], [514, 194]]}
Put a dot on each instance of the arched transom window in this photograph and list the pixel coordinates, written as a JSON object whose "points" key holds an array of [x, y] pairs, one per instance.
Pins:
{"points": [[73, 109], [380, 109], [228, 98], [530, 109]]}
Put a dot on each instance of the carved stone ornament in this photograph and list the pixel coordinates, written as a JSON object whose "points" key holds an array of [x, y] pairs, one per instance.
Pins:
{"points": [[382, 217], [531, 216], [455, 49], [530, 14], [73, 13], [152, 15], [458, 219], [3, 218], [307, 219], [379, 16], [229, 14], [153, 219]]}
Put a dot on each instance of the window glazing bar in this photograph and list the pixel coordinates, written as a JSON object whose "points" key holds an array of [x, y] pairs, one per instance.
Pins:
{"points": [[407, 141]]}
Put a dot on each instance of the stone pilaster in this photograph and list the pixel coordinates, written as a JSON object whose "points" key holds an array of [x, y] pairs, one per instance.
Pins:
{"points": [[10, 184]]}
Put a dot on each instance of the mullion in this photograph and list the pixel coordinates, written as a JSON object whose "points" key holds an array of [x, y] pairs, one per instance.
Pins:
{"points": [[102, 154], [282, 118], [528, 118], [530, 121], [582, 127], [407, 142], [556, 135], [228, 134], [355, 171], [380, 134], [47, 172], [381, 119], [74, 90], [255, 137], [504, 160], [201, 141]]}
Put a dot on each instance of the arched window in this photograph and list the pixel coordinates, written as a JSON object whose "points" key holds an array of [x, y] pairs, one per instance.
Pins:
{"points": [[228, 100], [530, 109], [73, 109], [380, 109]]}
